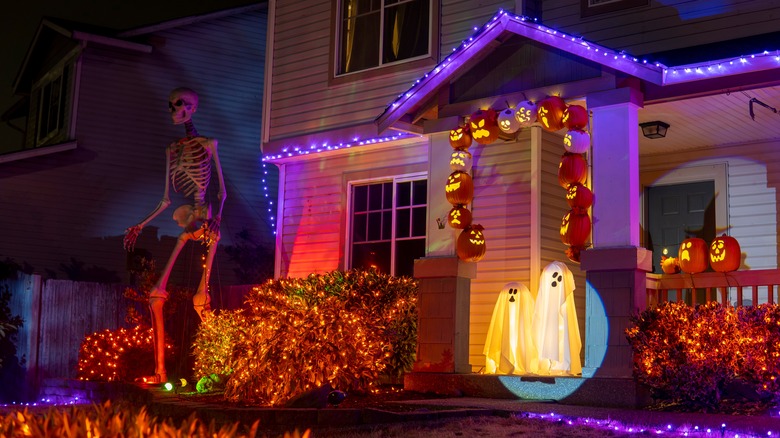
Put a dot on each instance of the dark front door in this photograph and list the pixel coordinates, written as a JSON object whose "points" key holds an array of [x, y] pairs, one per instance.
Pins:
{"points": [[676, 212]]}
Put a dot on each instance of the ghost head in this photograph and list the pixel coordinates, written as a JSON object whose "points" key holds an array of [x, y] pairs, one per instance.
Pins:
{"points": [[182, 103]]}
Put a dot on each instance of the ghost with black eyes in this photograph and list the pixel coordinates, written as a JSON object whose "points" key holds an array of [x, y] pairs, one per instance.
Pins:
{"points": [[509, 347]]}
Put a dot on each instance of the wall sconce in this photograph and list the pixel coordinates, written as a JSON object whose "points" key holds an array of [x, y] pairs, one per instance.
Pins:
{"points": [[655, 129]]}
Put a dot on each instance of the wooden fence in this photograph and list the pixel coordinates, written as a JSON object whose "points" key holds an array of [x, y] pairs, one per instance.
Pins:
{"points": [[737, 288]]}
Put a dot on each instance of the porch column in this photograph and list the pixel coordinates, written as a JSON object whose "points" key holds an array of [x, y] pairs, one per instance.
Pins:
{"points": [[616, 265]]}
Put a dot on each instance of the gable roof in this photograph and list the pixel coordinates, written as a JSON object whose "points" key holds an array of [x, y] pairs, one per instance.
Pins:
{"points": [[192, 19], [660, 81]]}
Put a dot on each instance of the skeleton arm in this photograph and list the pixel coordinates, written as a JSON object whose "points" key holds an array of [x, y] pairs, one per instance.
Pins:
{"points": [[131, 234]]}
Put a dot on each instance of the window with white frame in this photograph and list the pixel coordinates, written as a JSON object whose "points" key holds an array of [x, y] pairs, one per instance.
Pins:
{"points": [[374, 33], [51, 104], [388, 224]]}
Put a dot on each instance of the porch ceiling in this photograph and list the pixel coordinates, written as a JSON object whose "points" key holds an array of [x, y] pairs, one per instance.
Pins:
{"points": [[716, 120]]}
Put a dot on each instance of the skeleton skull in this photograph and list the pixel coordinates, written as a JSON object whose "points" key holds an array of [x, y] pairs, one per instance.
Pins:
{"points": [[182, 104]]}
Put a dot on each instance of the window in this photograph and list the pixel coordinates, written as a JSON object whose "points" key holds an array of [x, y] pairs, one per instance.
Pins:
{"points": [[374, 33], [595, 7], [388, 224], [50, 107]]}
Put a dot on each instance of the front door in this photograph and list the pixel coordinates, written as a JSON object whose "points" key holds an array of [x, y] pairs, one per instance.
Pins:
{"points": [[676, 212]]}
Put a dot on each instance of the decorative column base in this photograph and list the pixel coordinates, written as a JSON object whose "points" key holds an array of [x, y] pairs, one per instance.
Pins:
{"points": [[443, 314], [615, 291]]}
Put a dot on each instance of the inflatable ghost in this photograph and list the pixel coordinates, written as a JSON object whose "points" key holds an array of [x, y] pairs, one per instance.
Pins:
{"points": [[509, 348], [555, 328]]}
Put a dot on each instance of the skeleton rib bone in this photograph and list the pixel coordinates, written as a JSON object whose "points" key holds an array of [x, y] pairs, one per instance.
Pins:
{"points": [[191, 168]]}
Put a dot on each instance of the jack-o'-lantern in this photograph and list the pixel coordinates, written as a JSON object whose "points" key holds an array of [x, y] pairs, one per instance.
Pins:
{"points": [[459, 188], [575, 117], [471, 244], [579, 196], [576, 142], [507, 122], [459, 217], [461, 160], [574, 252], [725, 254], [572, 169], [692, 255], [550, 113], [460, 137], [575, 228], [483, 125], [525, 113]]}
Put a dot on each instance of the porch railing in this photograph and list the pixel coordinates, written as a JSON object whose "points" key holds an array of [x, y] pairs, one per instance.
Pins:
{"points": [[738, 288]]}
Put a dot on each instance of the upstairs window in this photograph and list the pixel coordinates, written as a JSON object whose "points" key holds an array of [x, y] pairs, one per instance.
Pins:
{"points": [[50, 106], [375, 33], [388, 224]]}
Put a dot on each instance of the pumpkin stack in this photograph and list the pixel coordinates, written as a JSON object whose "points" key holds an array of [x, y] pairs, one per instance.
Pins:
{"points": [[554, 114], [460, 192]]}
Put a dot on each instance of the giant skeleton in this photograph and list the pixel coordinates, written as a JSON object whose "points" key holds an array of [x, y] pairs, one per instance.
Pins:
{"points": [[189, 168]]}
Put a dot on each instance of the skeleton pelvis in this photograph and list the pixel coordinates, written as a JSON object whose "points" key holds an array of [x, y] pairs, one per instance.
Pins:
{"points": [[191, 217]]}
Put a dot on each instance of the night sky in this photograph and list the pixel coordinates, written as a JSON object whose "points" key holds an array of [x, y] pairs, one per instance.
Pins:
{"points": [[19, 22]]}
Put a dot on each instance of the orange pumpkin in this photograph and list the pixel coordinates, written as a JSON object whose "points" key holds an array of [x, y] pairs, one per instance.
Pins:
{"points": [[460, 137], [575, 117], [459, 188], [692, 255], [471, 244], [669, 265], [483, 125], [725, 254], [572, 169], [459, 217], [575, 228], [550, 113], [579, 196]]}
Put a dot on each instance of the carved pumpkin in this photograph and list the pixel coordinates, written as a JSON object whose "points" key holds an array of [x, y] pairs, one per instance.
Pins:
{"points": [[471, 244], [459, 217], [725, 254], [692, 255], [483, 125], [461, 160], [579, 196], [669, 265], [507, 122], [459, 188], [550, 113], [575, 117], [575, 228], [574, 252], [460, 137], [576, 142], [572, 169], [525, 113]]}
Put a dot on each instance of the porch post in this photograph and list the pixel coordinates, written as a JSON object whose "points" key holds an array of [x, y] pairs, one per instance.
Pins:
{"points": [[616, 265]]}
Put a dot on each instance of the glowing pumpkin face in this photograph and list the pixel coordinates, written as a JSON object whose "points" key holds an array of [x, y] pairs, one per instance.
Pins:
{"points": [[525, 113], [507, 122], [692, 255], [576, 142], [575, 228], [579, 196], [575, 117], [471, 244], [460, 138], [461, 160], [459, 217], [572, 169], [459, 188], [550, 113], [483, 125], [725, 254]]}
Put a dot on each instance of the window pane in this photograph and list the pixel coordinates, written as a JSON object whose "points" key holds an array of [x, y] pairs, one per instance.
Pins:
{"points": [[403, 194], [402, 223], [359, 228], [360, 198], [388, 202], [418, 221], [405, 31], [387, 225], [368, 255], [420, 192], [405, 253], [374, 226], [360, 42], [375, 197]]}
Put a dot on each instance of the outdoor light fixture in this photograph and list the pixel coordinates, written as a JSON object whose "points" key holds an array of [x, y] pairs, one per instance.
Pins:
{"points": [[655, 129]]}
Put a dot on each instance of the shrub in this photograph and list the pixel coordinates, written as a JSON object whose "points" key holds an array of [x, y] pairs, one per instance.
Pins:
{"points": [[216, 342], [119, 355]]}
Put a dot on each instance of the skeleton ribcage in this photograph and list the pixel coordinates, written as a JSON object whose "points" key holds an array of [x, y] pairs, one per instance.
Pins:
{"points": [[191, 169]]}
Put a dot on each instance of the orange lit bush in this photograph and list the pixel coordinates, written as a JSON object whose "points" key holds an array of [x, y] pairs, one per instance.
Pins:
{"points": [[339, 328], [689, 355], [118, 355]]}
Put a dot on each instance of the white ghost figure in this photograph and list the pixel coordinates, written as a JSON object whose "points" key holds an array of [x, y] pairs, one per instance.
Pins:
{"points": [[555, 328], [509, 348]]}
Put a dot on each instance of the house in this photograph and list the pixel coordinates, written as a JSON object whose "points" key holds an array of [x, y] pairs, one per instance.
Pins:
{"points": [[358, 112], [93, 104]]}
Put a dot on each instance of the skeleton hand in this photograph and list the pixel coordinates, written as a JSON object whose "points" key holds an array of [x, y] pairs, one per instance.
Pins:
{"points": [[131, 234], [211, 231]]}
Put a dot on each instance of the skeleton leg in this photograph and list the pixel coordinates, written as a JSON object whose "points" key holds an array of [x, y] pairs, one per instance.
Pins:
{"points": [[201, 301]]}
